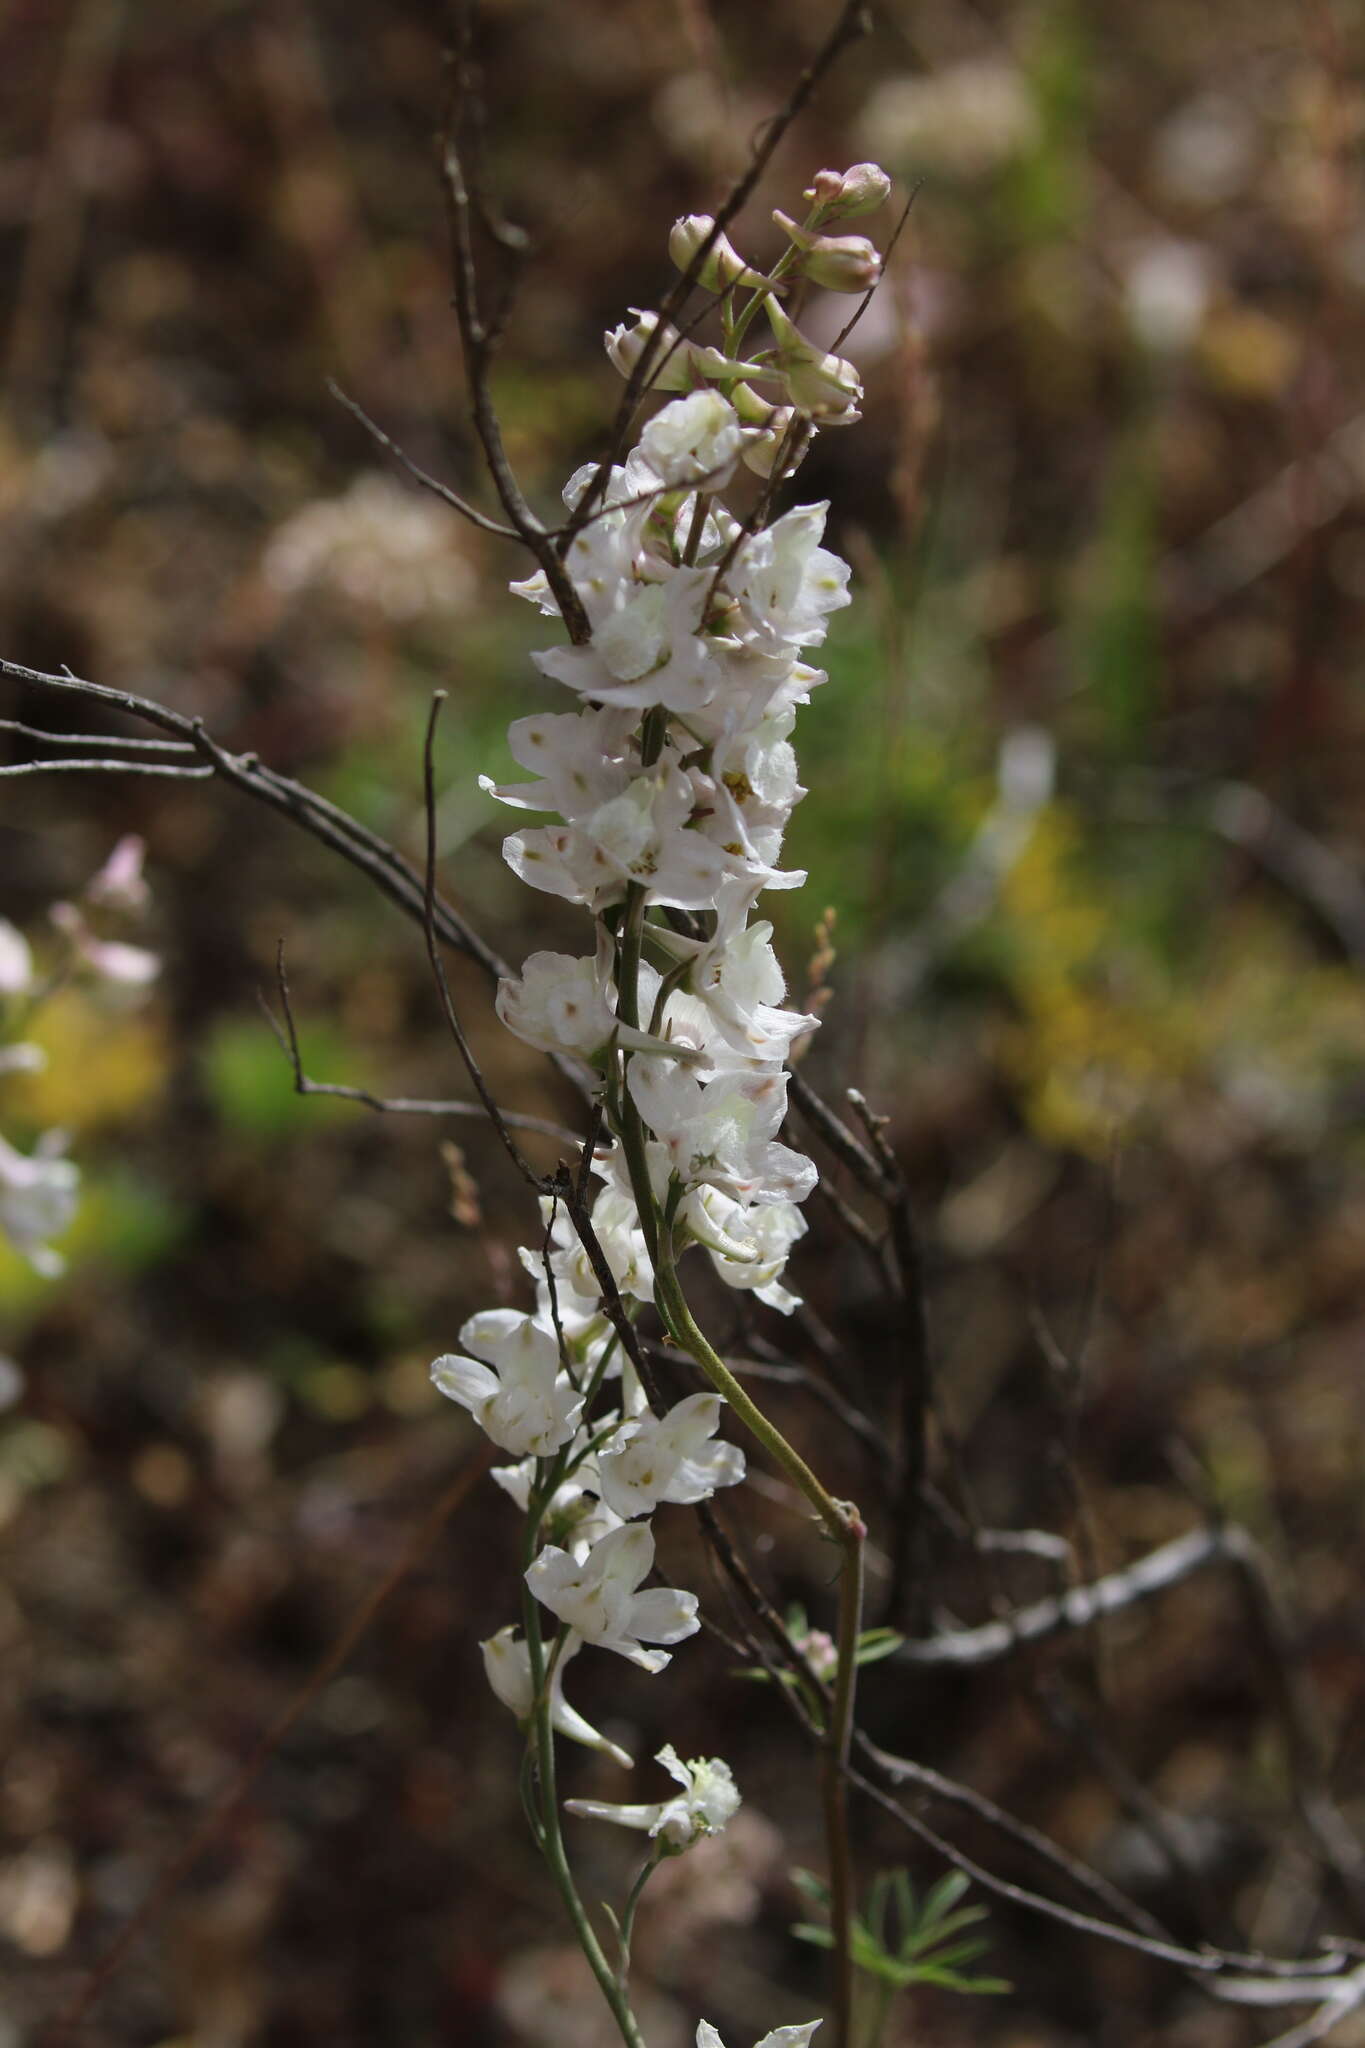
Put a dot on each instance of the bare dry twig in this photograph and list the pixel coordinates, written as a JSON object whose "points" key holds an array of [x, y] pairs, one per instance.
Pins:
{"points": [[393, 1105]]}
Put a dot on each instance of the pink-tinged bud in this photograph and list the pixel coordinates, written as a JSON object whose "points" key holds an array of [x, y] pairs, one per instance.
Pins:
{"points": [[825, 386], [723, 266], [841, 194], [840, 263], [120, 883]]}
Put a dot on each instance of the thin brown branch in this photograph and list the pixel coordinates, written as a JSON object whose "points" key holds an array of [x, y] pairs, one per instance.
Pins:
{"points": [[114, 765], [393, 1105], [866, 300], [1221, 1974], [1077, 1608], [95, 739], [480, 337], [915, 1382], [372, 856], [423, 477]]}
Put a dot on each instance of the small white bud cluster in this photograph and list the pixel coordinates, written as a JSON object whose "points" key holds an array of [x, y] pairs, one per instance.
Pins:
{"points": [[40, 1190]]}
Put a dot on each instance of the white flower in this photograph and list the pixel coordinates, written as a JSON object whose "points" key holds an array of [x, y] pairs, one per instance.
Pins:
{"points": [[626, 344], [560, 1004], [599, 1597], [841, 263], [513, 1386], [38, 1196], [16, 961], [507, 1661], [668, 1457], [616, 1226], [748, 1243], [643, 836], [721, 1131], [780, 2037], [128, 966], [707, 1801], [786, 583], [120, 883], [557, 1004], [648, 650], [579, 754], [678, 365], [695, 440]]}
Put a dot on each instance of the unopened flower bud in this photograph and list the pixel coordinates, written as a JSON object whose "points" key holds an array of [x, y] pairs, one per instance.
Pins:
{"points": [[825, 386], [841, 263], [625, 346], [762, 448], [723, 266], [841, 194]]}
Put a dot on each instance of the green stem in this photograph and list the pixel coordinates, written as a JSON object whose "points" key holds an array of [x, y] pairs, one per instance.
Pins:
{"points": [[628, 1915], [882, 1995], [552, 1839], [838, 1741], [838, 1519], [846, 1527]]}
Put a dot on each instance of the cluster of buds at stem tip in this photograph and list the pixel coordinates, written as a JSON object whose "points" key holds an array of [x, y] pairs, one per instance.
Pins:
{"points": [[666, 768], [766, 386]]}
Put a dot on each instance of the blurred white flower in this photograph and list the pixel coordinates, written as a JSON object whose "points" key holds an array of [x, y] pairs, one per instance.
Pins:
{"points": [[961, 122], [16, 961], [38, 1195], [380, 545], [120, 884], [1167, 289]]}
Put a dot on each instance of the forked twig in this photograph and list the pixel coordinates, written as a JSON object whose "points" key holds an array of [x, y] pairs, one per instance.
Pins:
{"points": [[393, 1105]]}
